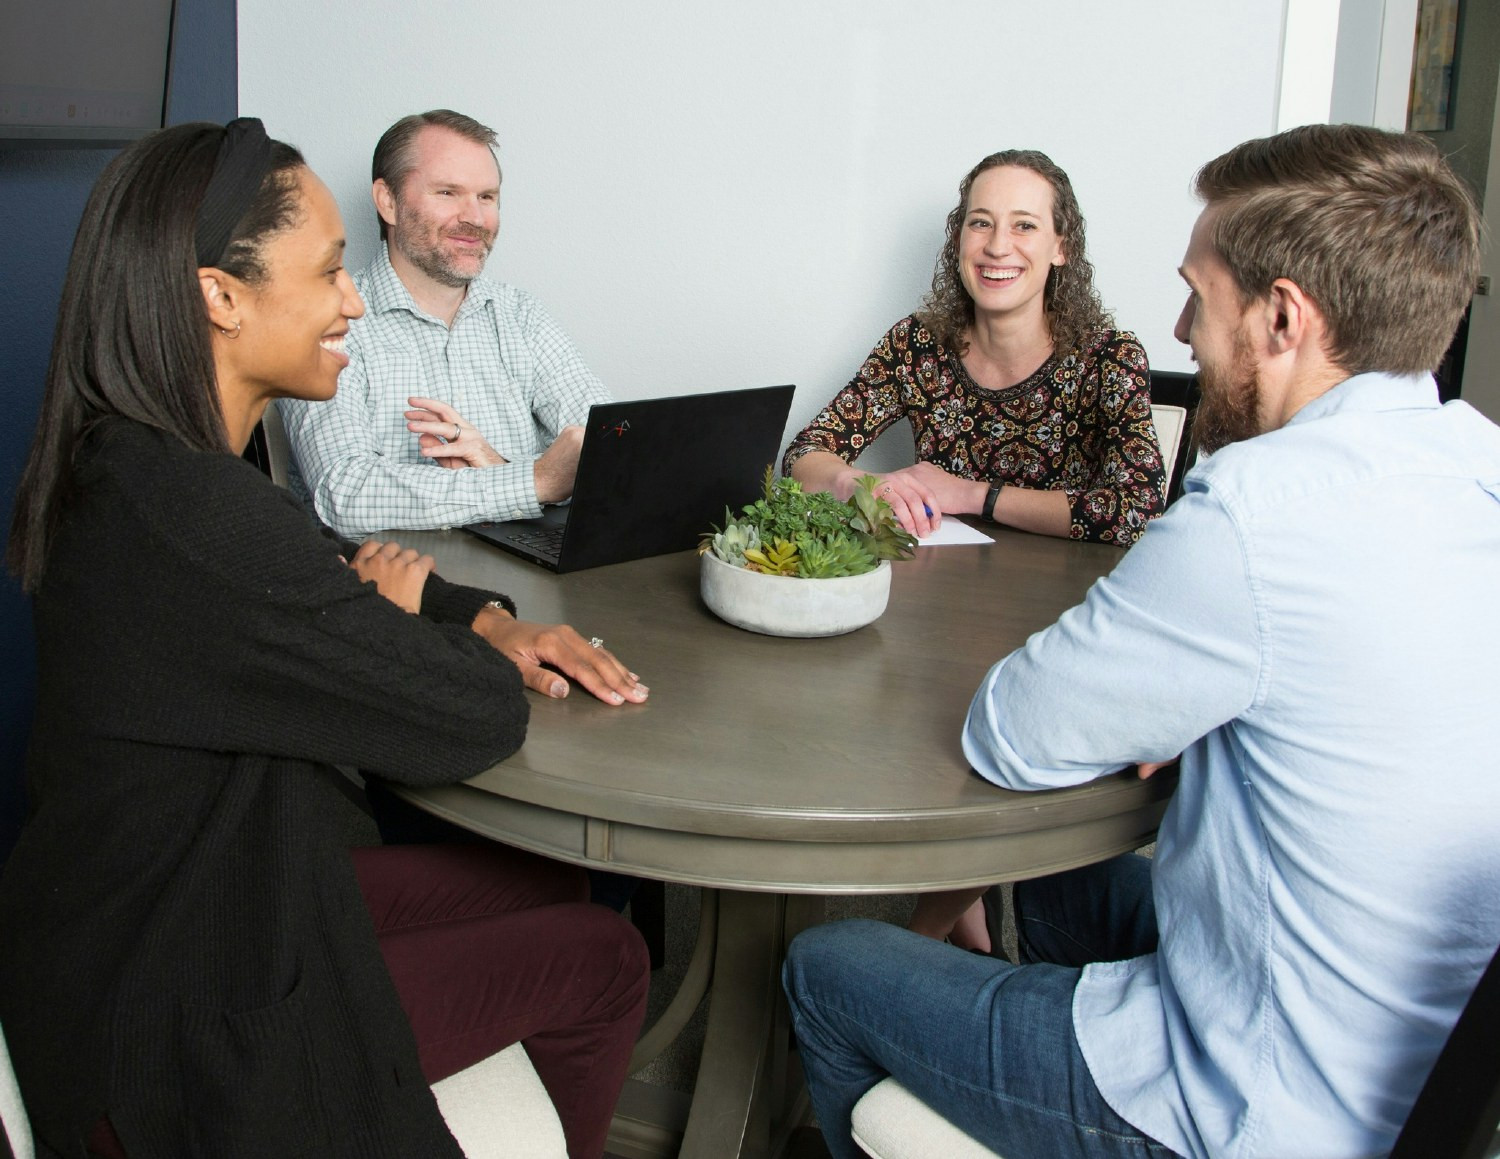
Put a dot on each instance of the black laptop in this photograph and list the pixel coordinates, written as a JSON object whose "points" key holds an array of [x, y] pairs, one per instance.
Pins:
{"points": [[653, 475]]}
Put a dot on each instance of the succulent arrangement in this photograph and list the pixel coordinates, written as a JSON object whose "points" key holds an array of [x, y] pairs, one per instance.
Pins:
{"points": [[790, 533]]}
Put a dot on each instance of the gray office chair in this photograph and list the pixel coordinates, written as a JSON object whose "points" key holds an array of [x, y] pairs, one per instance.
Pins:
{"points": [[497, 1109]]}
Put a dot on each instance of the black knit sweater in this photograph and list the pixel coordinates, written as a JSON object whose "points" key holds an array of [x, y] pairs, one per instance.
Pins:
{"points": [[182, 941]]}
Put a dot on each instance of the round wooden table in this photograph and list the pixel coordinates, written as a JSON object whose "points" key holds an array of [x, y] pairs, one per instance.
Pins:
{"points": [[776, 771]]}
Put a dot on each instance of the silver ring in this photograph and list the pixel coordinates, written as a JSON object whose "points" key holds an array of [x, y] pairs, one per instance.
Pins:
{"points": [[595, 642], [458, 431]]}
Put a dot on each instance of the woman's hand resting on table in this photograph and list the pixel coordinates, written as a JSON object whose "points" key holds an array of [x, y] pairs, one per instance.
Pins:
{"points": [[542, 651], [921, 494], [399, 574]]}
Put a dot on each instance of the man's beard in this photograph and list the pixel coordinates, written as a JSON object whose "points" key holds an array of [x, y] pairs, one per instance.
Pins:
{"points": [[426, 252], [1229, 411]]}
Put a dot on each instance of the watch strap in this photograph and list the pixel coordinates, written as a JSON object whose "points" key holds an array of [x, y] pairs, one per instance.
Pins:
{"points": [[990, 498]]}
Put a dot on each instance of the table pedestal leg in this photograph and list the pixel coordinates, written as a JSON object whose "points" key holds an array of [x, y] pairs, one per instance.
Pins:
{"points": [[742, 1096]]}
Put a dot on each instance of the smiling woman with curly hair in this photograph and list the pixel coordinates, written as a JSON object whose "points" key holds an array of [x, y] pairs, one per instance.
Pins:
{"points": [[1027, 406], [1069, 301]]}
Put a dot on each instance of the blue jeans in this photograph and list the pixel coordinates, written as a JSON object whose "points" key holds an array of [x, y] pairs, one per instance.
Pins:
{"points": [[988, 1045]]}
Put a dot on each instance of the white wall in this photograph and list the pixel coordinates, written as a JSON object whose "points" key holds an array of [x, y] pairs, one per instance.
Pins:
{"points": [[1372, 78], [711, 195]]}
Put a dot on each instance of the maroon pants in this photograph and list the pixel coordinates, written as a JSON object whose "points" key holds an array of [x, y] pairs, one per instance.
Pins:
{"points": [[489, 946]]}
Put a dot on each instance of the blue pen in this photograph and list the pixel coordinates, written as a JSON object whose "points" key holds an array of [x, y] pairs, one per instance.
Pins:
{"points": [[928, 510]]}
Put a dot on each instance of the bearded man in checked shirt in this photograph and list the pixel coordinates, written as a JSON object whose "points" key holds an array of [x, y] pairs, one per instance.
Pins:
{"points": [[447, 368]]}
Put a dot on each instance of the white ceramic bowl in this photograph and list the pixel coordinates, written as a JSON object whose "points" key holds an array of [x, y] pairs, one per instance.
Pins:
{"points": [[777, 605]]}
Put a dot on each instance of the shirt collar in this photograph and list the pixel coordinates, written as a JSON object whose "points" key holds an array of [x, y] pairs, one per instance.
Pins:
{"points": [[385, 292], [1374, 391]]}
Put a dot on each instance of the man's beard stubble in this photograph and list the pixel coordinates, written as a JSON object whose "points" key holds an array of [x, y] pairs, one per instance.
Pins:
{"points": [[1229, 411], [429, 257]]}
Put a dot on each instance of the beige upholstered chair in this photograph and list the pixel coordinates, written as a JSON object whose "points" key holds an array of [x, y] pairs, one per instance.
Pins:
{"points": [[1170, 422], [12, 1112], [497, 1109], [892, 1123], [1456, 1115]]}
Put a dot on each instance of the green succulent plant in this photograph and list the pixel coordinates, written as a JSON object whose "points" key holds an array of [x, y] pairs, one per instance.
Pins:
{"points": [[735, 540], [815, 536], [842, 555], [779, 558]]}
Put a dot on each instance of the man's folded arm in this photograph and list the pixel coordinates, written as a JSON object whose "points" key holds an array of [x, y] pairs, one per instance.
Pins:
{"points": [[1163, 650], [358, 490]]}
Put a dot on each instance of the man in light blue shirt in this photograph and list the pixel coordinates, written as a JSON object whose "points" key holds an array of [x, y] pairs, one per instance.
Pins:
{"points": [[1315, 627], [447, 368]]}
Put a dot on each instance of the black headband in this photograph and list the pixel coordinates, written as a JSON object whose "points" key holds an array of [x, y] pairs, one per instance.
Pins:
{"points": [[244, 159]]}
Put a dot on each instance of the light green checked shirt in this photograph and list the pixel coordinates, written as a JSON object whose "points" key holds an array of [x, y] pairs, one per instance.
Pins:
{"points": [[504, 365]]}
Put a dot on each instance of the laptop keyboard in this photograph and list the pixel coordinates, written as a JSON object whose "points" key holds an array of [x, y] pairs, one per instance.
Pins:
{"points": [[547, 541]]}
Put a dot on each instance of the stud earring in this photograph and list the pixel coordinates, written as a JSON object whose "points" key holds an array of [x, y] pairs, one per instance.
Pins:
{"points": [[230, 334]]}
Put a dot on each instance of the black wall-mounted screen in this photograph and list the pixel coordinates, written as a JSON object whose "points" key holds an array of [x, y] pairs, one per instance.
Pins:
{"points": [[82, 72]]}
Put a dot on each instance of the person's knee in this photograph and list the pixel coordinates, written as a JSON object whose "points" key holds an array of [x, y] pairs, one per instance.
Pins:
{"points": [[613, 947], [825, 954]]}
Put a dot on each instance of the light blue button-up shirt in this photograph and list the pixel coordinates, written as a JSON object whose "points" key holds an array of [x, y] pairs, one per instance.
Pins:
{"points": [[1315, 626], [504, 365]]}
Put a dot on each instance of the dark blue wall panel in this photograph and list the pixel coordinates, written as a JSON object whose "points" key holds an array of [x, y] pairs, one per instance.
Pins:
{"points": [[42, 193]]}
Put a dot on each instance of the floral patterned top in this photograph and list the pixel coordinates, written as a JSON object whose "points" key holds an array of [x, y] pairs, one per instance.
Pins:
{"points": [[1080, 424]]}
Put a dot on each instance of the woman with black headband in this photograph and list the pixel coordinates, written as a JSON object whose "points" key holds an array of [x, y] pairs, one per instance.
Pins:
{"points": [[194, 962]]}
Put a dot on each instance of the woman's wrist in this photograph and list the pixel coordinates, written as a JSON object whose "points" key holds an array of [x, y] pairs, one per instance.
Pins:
{"points": [[991, 499], [844, 483]]}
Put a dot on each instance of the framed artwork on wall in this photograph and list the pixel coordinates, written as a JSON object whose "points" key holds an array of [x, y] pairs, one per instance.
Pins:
{"points": [[1431, 107]]}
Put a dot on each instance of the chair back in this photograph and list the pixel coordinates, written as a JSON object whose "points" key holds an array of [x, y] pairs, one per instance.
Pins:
{"points": [[1170, 422], [1179, 392], [278, 447], [1457, 1112], [17, 1131]]}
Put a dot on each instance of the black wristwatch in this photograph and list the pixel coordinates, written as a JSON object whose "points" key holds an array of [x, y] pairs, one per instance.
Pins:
{"points": [[990, 498]]}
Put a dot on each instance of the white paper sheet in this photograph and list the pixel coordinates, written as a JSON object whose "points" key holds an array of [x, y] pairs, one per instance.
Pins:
{"points": [[954, 531]]}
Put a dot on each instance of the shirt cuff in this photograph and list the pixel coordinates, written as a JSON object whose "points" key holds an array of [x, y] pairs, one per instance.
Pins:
{"points": [[514, 490]]}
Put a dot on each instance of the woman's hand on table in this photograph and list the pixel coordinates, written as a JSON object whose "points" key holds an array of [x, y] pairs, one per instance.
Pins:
{"points": [[447, 438], [542, 651], [398, 573], [921, 493], [1150, 768]]}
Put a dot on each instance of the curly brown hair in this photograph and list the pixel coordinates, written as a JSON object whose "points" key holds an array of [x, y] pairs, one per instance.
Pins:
{"points": [[1072, 305]]}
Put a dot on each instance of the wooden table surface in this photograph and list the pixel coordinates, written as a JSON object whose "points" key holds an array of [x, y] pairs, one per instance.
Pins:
{"points": [[805, 765]]}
